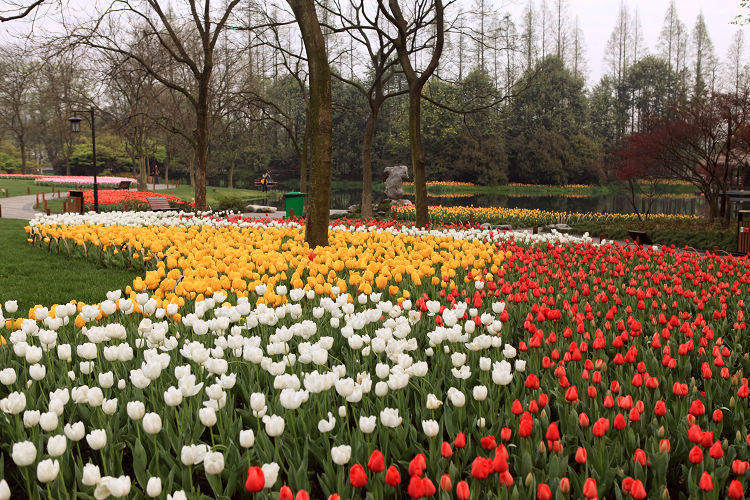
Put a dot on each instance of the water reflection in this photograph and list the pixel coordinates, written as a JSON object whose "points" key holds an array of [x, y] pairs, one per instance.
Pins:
{"points": [[342, 199]]}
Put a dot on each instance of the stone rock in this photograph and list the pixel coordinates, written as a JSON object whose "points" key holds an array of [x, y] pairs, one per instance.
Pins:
{"points": [[500, 227], [504, 227], [259, 208], [353, 209], [401, 202], [396, 175]]}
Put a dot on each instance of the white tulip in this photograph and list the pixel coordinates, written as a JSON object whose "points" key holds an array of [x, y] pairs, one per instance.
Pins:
{"points": [[367, 424], [97, 439], [91, 474], [207, 416], [213, 462], [4, 490], [47, 470], [247, 438], [95, 397], [75, 432], [270, 473], [480, 392], [153, 488], [106, 380], [458, 399], [33, 354], [24, 453], [31, 418], [390, 417], [11, 306], [48, 421], [433, 403], [177, 495], [327, 425], [14, 403], [7, 376], [430, 427], [152, 423], [56, 445], [274, 425], [109, 406], [341, 454], [173, 396], [257, 401], [136, 410]]}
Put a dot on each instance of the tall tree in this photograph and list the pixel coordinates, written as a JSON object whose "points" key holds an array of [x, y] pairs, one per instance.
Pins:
{"points": [[429, 16], [578, 55], [529, 37], [320, 122], [737, 68], [704, 60], [18, 74], [187, 39]]}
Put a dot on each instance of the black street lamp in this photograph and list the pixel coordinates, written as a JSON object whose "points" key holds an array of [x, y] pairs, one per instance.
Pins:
{"points": [[75, 126]]}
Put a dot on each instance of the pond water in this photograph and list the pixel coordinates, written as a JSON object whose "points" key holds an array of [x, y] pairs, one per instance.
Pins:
{"points": [[341, 199]]}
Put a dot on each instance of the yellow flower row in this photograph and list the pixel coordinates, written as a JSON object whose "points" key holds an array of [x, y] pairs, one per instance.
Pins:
{"points": [[522, 217], [189, 263]]}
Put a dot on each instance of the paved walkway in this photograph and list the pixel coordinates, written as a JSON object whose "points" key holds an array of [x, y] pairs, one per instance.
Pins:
{"points": [[22, 207]]}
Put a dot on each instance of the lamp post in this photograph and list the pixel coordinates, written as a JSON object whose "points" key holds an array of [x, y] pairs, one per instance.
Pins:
{"points": [[75, 126]]}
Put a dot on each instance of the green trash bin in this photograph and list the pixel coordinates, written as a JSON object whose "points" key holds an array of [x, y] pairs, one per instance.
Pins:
{"points": [[295, 203]]}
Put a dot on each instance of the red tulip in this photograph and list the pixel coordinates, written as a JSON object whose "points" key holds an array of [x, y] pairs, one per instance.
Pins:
{"points": [[445, 482], [706, 483], [302, 495], [553, 433], [428, 489], [488, 442], [481, 467], [581, 455], [462, 491], [376, 463], [334, 496], [640, 457], [716, 450], [740, 466], [589, 488], [255, 479], [417, 465], [392, 476], [638, 491], [445, 450], [506, 433], [286, 493], [543, 492], [357, 476], [735, 489], [415, 488], [460, 440], [717, 416], [565, 485]]}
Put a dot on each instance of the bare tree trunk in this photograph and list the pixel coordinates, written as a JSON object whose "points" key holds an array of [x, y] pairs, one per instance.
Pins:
{"points": [[230, 178], [417, 156], [320, 122], [366, 208], [142, 174], [22, 147], [201, 144]]}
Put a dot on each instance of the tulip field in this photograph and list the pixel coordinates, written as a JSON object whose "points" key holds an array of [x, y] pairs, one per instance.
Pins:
{"points": [[397, 362]]}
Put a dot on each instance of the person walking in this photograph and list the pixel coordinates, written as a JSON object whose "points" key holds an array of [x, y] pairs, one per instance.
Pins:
{"points": [[264, 181], [156, 174]]}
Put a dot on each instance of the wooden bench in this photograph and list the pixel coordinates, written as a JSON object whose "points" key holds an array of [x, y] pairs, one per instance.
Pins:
{"points": [[124, 185], [640, 238], [159, 204]]}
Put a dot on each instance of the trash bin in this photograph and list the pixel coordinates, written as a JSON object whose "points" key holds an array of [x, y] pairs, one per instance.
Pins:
{"points": [[76, 201], [295, 203], [743, 233]]}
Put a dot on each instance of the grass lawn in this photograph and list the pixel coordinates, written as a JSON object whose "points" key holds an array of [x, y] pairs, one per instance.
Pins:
{"points": [[18, 187], [32, 275]]}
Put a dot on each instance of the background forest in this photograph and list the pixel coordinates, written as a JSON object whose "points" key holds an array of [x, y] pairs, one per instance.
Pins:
{"points": [[509, 101]]}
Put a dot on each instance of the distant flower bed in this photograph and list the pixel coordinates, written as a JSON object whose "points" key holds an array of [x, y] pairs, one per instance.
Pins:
{"points": [[18, 176], [444, 184], [121, 200], [78, 180], [518, 217]]}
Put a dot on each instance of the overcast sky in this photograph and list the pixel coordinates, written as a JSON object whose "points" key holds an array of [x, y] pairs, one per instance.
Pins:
{"points": [[597, 20]]}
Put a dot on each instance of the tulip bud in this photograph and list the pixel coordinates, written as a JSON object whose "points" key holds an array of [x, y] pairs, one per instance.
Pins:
{"points": [[529, 479], [445, 483], [732, 402], [665, 494], [565, 485], [541, 448], [661, 432]]}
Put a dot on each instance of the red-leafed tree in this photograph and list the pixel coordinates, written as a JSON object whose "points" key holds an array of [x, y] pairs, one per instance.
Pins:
{"points": [[700, 141]]}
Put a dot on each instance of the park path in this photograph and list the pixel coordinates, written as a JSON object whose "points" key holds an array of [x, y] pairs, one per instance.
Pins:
{"points": [[22, 207]]}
